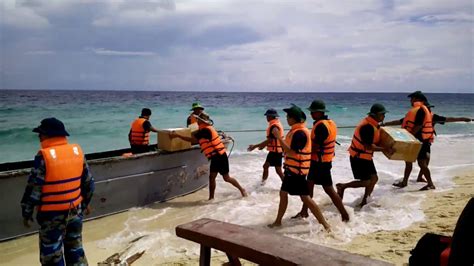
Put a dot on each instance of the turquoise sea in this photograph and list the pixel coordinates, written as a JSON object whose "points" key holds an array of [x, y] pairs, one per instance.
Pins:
{"points": [[100, 120]]}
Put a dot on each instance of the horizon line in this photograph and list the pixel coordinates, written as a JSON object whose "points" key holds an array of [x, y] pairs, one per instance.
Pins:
{"points": [[191, 91]]}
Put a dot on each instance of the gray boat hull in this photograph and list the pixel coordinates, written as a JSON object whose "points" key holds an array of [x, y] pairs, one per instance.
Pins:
{"points": [[121, 183]]}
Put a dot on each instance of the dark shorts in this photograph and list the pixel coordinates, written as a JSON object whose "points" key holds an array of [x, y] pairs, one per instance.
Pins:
{"points": [[320, 173], [425, 151], [274, 158], [220, 164], [362, 169], [139, 149], [295, 184]]}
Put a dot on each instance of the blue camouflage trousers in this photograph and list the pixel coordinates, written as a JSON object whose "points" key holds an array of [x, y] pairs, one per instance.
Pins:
{"points": [[61, 231]]}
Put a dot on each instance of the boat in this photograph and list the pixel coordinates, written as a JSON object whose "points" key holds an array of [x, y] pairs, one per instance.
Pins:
{"points": [[121, 182]]}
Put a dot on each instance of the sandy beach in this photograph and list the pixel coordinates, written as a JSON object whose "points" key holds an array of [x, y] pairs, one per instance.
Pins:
{"points": [[441, 209]]}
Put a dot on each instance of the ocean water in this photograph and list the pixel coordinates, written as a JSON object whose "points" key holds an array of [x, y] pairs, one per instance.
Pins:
{"points": [[100, 120]]}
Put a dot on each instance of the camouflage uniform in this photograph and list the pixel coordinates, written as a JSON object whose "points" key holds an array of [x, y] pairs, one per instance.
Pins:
{"points": [[57, 228]]}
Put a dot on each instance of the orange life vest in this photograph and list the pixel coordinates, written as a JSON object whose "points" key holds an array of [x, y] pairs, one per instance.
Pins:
{"points": [[326, 152], [138, 135], [427, 130], [298, 162], [273, 144], [357, 148], [64, 166], [214, 146]]}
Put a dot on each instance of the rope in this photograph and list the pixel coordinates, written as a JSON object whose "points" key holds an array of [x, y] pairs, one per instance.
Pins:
{"points": [[262, 130], [232, 148]]}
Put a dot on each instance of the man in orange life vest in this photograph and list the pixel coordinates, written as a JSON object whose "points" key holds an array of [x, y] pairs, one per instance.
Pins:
{"points": [[60, 186], [214, 150], [437, 119], [364, 143], [297, 148], [323, 139], [420, 121], [139, 135], [275, 152], [197, 110]]}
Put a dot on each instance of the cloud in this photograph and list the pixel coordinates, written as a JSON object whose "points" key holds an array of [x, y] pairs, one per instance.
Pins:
{"points": [[102, 51], [16, 15], [239, 45]]}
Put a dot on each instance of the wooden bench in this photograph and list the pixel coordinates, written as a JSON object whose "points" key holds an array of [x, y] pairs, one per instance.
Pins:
{"points": [[263, 247]]}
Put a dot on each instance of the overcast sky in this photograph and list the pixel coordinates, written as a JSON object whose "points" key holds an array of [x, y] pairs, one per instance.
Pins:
{"points": [[241, 45]]}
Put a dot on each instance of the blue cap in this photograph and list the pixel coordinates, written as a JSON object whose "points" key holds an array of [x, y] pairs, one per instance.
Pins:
{"points": [[271, 112]]}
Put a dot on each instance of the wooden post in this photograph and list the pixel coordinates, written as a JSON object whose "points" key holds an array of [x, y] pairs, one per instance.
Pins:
{"points": [[205, 256]]}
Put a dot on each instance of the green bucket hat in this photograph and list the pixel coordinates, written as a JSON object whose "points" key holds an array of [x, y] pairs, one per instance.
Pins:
{"points": [[377, 108], [196, 105], [317, 106], [296, 112]]}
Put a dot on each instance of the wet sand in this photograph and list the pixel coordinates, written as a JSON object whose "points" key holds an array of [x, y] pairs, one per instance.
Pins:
{"points": [[441, 208]]}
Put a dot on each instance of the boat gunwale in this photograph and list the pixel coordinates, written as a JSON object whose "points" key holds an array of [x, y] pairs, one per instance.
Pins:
{"points": [[22, 170]]}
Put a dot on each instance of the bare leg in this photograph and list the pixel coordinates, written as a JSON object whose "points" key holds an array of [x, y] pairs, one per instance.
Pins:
{"points": [[235, 183], [281, 209], [426, 172], [420, 174], [353, 184], [315, 210], [337, 201], [420, 177], [304, 209], [406, 175], [265, 172], [279, 172], [369, 189], [212, 184]]}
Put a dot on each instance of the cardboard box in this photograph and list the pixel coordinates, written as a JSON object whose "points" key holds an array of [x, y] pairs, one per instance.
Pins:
{"points": [[193, 127], [405, 144], [177, 144]]}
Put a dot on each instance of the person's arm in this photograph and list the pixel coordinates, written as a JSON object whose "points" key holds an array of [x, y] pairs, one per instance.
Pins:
{"points": [[393, 123], [185, 138], [264, 143], [260, 145], [148, 127], [321, 133], [188, 121], [152, 128], [33, 190], [87, 187], [284, 146], [367, 137], [297, 143], [458, 119], [202, 133]]}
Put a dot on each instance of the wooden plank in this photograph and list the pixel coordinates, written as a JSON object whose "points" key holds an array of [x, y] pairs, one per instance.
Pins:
{"points": [[265, 247]]}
